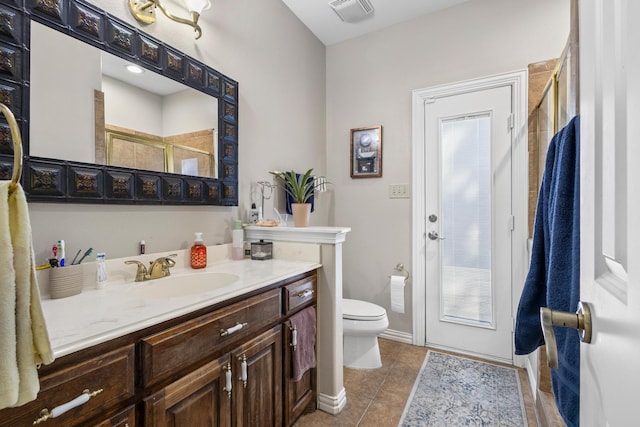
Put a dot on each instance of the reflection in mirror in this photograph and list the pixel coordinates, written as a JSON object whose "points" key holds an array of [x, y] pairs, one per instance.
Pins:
{"points": [[86, 107]]}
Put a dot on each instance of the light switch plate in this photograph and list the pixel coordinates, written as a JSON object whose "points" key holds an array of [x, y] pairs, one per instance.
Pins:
{"points": [[399, 191]]}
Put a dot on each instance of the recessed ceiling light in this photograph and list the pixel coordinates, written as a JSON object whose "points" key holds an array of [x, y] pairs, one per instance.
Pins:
{"points": [[134, 69]]}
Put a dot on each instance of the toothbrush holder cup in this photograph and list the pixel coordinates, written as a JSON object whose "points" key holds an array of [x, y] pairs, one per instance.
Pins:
{"points": [[65, 281]]}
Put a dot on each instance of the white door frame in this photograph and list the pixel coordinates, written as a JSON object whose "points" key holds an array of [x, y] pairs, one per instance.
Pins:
{"points": [[518, 81]]}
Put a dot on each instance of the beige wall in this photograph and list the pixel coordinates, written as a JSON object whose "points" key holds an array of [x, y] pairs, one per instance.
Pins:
{"points": [[369, 82], [74, 95], [280, 67]]}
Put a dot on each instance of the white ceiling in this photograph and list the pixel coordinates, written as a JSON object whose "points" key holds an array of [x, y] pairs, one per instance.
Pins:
{"points": [[115, 67], [321, 19]]}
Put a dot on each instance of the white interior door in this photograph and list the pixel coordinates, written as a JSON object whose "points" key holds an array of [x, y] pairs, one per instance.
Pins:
{"points": [[469, 222], [610, 208]]}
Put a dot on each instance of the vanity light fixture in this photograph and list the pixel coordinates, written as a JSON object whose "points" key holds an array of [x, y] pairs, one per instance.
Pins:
{"points": [[144, 11]]}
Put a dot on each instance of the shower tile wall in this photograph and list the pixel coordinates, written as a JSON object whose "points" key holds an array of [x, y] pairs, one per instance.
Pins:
{"points": [[539, 75]]}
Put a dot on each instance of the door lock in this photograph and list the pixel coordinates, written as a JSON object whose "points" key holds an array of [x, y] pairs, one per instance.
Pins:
{"points": [[433, 235], [580, 320]]}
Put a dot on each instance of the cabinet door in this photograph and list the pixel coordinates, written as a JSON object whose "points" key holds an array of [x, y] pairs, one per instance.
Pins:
{"points": [[199, 399], [126, 418], [299, 396], [257, 396]]}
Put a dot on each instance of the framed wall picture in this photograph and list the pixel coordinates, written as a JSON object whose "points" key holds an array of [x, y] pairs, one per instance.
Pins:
{"points": [[366, 152]]}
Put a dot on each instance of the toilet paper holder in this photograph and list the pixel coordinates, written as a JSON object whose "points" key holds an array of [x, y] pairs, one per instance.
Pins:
{"points": [[400, 268]]}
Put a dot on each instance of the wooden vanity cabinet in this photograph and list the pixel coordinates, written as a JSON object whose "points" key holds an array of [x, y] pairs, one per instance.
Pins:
{"points": [[299, 396], [177, 374], [267, 397], [205, 397], [176, 349]]}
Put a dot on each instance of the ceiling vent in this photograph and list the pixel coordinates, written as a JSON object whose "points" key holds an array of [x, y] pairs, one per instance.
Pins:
{"points": [[352, 10]]}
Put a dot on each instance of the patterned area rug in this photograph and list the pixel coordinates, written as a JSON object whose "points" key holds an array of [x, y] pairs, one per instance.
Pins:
{"points": [[456, 391]]}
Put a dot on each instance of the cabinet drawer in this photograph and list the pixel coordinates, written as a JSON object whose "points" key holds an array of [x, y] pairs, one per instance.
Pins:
{"points": [[126, 418], [170, 351], [299, 294], [113, 373]]}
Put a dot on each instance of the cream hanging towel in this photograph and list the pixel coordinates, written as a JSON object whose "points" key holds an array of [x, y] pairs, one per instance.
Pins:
{"points": [[24, 340]]}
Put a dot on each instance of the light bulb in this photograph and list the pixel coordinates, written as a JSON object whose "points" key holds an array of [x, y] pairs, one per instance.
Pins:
{"points": [[197, 6], [134, 69]]}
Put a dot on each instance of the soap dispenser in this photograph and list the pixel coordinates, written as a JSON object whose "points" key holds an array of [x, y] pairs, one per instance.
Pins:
{"points": [[237, 241], [252, 214], [198, 253]]}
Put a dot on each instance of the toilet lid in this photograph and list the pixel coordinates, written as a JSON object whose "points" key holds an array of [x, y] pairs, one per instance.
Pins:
{"points": [[361, 310]]}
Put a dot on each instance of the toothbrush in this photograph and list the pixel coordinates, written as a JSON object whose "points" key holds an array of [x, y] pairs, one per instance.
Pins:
{"points": [[86, 254], [76, 257]]}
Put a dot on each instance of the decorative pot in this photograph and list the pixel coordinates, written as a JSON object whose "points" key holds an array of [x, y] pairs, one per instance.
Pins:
{"points": [[301, 213]]}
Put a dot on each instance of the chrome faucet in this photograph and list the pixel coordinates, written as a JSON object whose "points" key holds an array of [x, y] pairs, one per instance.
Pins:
{"points": [[157, 268]]}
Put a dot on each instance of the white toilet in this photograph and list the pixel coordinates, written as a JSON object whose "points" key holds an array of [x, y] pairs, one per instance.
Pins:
{"points": [[362, 322]]}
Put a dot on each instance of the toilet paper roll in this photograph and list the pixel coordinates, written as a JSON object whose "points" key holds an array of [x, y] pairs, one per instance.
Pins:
{"points": [[396, 284]]}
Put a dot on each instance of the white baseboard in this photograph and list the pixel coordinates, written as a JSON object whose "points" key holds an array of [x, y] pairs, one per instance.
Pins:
{"points": [[533, 376], [332, 404], [398, 336]]}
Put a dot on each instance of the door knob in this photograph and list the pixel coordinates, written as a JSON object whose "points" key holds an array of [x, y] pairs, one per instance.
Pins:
{"points": [[433, 235], [580, 320]]}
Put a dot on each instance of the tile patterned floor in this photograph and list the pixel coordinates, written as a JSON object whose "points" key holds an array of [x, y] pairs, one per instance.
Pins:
{"points": [[377, 397]]}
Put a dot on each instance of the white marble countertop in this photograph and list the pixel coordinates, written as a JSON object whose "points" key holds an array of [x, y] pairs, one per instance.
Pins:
{"points": [[97, 315]]}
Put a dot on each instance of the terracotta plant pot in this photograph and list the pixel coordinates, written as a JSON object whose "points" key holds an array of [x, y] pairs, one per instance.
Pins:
{"points": [[301, 213]]}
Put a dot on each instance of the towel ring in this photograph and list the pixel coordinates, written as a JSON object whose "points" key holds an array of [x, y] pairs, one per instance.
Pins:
{"points": [[17, 147]]}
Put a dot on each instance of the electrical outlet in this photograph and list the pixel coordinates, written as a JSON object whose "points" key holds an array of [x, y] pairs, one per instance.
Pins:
{"points": [[399, 191]]}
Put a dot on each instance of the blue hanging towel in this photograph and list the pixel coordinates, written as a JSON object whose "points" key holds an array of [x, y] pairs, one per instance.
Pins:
{"points": [[554, 274]]}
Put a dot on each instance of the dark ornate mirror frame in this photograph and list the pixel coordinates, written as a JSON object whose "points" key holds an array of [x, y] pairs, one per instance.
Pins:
{"points": [[54, 180]]}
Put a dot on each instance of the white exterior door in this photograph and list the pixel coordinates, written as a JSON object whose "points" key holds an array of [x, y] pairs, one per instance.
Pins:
{"points": [[469, 222], [610, 210]]}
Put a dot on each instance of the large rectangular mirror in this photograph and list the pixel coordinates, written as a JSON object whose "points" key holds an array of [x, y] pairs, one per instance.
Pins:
{"points": [[137, 118], [95, 132]]}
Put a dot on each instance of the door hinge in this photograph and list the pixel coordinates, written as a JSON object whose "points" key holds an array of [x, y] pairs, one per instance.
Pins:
{"points": [[511, 121], [512, 223]]}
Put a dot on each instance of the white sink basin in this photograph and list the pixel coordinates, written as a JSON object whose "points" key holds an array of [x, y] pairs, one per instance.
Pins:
{"points": [[183, 285]]}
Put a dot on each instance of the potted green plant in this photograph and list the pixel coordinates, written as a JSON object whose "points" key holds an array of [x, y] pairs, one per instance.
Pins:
{"points": [[300, 187]]}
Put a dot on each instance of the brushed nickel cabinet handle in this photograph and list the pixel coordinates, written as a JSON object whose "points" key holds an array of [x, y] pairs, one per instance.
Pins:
{"points": [[305, 293], [243, 369], [294, 338], [45, 414], [229, 331], [228, 385]]}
